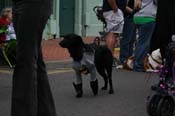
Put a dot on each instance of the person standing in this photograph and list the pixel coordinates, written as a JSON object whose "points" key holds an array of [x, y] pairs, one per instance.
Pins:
{"points": [[165, 31], [165, 24], [113, 14], [145, 20], [129, 33], [31, 93]]}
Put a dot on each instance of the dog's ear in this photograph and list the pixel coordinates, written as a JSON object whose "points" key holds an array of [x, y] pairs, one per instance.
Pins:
{"points": [[146, 63], [71, 40], [74, 40], [72, 36], [63, 44]]}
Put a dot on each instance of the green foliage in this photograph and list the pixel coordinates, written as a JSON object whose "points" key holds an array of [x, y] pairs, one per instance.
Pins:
{"points": [[3, 29]]}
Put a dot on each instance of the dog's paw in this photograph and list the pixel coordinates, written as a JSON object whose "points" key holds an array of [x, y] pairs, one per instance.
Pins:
{"points": [[104, 88], [111, 91]]}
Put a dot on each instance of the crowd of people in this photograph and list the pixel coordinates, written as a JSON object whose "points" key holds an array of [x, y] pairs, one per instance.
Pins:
{"points": [[142, 22]]}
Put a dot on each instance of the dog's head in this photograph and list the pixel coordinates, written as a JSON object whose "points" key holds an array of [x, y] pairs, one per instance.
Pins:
{"points": [[74, 44], [71, 41], [153, 62]]}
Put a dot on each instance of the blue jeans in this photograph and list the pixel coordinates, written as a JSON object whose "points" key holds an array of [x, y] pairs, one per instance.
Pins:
{"points": [[126, 43], [145, 32]]}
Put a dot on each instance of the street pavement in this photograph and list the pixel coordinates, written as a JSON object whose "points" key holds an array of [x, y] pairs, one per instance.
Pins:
{"points": [[131, 89]]}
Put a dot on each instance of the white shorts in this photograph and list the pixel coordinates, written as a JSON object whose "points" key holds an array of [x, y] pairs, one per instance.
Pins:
{"points": [[115, 21]]}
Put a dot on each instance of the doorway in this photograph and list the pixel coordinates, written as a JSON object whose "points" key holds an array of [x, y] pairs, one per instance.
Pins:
{"points": [[67, 16]]}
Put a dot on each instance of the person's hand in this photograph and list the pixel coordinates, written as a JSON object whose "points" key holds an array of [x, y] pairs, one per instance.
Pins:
{"points": [[138, 4], [129, 10]]}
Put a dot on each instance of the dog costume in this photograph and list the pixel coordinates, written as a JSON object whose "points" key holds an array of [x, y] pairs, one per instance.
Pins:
{"points": [[87, 58], [84, 66]]}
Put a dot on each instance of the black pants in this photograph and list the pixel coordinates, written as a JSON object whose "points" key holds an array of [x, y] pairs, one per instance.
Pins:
{"points": [[165, 23], [31, 94], [165, 28]]}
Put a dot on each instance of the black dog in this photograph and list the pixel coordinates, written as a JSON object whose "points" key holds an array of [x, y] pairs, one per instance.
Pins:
{"points": [[102, 58]]}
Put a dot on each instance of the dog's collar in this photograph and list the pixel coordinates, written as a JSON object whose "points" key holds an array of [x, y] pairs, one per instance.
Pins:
{"points": [[155, 60]]}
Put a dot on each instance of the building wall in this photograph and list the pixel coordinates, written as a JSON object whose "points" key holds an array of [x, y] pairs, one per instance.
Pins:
{"points": [[2, 4], [91, 26], [5, 3], [52, 26], [86, 23], [78, 17]]}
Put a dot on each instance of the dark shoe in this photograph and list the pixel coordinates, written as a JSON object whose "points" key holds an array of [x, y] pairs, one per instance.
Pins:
{"points": [[94, 86], [78, 89]]}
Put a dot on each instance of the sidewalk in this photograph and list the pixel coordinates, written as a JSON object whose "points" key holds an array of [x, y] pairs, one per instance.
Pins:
{"points": [[53, 52]]}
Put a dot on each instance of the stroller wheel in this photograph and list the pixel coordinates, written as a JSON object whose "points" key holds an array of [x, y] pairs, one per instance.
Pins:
{"points": [[166, 106], [152, 104]]}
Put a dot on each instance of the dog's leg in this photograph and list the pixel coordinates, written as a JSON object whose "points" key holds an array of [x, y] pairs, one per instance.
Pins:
{"points": [[78, 89], [94, 81], [94, 86], [78, 81], [109, 72], [101, 71]]}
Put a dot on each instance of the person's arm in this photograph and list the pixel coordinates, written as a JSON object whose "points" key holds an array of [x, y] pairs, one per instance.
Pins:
{"points": [[138, 4], [113, 5]]}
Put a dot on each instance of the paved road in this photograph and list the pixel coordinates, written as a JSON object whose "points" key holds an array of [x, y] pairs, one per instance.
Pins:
{"points": [[131, 90]]}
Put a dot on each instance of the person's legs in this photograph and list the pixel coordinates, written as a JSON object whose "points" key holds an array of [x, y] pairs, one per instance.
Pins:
{"points": [[46, 105], [114, 28], [143, 44], [154, 43], [110, 41], [24, 91], [165, 30], [127, 41], [163, 26], [30, 85], [77, 83]]}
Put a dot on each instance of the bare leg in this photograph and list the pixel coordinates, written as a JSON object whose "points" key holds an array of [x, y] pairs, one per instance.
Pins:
{"points": [[111, 41]]}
